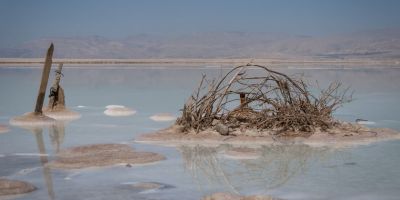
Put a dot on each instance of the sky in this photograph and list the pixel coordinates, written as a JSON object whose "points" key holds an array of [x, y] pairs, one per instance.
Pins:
{"points": [[24, 20]]}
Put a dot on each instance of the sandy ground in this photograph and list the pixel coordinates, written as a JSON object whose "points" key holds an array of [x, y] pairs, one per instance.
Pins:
{"points": [[101, 155], [228, 196], [13, 187], [335, 138]]}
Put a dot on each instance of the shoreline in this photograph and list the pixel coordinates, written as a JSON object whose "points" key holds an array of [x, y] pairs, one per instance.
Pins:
{"points": [[195, 61]]}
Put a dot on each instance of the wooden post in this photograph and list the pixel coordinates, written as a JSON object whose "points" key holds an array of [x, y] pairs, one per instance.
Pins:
{"points": [[45, 78], [242, 99]]}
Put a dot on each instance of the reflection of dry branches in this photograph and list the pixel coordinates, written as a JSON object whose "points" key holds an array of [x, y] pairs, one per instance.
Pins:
{"points": [[271, 100], [279, 163], [276, 165], [203, 162]]}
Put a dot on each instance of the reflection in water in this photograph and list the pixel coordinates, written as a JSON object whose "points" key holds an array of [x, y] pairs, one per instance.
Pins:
{"points": [[275, 165], [57, 132], [44, 160]]}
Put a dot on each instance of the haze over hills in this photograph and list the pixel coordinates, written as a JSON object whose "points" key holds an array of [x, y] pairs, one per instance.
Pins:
{"points": [[376, 44]]}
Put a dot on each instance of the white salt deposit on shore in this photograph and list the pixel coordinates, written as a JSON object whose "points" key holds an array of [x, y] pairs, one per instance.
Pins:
{"points": [[162, 117]]}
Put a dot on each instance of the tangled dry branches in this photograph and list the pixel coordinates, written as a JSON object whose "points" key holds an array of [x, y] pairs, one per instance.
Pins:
{"points": [[269, 101]]}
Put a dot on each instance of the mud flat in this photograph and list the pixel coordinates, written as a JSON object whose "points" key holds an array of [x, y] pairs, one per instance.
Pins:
{"points": [[9, 188], [101, 155], [338, 137]]}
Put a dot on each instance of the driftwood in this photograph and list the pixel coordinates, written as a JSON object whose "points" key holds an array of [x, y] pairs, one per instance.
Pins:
{"points": [[269, 101]]}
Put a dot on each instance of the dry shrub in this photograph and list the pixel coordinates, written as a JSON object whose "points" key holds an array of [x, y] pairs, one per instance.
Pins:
{"points": [[269, 101]]}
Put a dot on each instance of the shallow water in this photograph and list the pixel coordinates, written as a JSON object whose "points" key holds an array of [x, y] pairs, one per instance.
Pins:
{"points": [[289, 172]]}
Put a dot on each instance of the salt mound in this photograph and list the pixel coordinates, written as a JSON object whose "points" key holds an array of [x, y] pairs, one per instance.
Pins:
{"points": [[32, 119], [118, 111], [114, 106], [4, 129], [100, 155], [13, 187], [161, 117]]}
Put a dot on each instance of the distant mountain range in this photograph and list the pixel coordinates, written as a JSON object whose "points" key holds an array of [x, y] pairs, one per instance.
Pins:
{"points": [[377, 44]]}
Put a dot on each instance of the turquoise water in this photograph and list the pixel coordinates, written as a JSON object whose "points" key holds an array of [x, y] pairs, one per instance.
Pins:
{"points": [[289, 172]]}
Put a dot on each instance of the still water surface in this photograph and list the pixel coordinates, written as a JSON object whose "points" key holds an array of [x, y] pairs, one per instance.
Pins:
{"points": [[191, 172]]}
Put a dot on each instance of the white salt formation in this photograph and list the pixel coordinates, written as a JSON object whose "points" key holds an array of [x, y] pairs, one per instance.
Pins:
{"points": [[118, 111], [114, 106], [162, 117]]}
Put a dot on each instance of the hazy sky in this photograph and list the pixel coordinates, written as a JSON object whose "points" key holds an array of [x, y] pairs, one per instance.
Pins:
{"points": [[22, 20]]}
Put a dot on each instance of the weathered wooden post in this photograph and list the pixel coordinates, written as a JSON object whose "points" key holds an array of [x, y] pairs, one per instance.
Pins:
{"points": [[242, 99], [56, 97], [56, 107], [36, 118], [45, 79]]}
